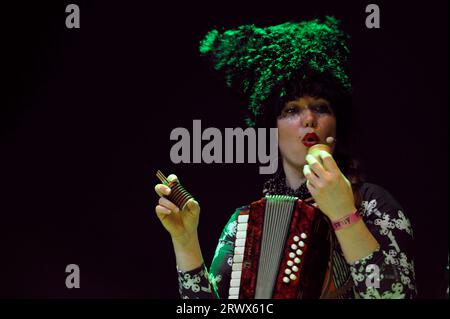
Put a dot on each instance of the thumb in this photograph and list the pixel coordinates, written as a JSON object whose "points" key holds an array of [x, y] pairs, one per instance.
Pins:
{"points": [[172, 177], [346, 180]]}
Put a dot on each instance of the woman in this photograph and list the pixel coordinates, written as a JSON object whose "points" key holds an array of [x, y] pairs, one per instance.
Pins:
{"points": [[294, 76]]}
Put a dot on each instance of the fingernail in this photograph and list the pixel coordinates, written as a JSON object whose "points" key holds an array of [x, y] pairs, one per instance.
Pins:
{"points": [[310, 159], [306, 170], [166, 190], [324, 154]]}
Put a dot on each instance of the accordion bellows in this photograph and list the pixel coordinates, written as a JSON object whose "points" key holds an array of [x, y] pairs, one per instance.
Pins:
{"points": [[282, 250]]}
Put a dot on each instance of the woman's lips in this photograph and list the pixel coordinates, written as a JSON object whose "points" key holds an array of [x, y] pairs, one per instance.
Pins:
{"points": [[310, 139]]}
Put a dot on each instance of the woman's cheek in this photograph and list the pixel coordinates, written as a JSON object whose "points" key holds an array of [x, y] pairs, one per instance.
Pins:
{"points": [[293, 152], [330, 126]]}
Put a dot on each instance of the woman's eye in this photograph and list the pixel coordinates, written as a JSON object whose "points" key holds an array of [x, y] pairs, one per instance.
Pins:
{"points": [[322, 109], [291, 110]]}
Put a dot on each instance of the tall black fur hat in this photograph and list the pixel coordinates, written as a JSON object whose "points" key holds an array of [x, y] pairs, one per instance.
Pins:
{"points": [[261, 63]]}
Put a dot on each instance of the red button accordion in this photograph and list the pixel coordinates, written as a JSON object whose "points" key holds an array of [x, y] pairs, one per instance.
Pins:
{"points": [[282, 250]]}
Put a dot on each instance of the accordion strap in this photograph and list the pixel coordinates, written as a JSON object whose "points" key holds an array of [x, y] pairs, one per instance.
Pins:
{"points": [[329, 290]]}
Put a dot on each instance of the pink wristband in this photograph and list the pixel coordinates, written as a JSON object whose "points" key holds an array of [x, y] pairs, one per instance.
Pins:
{"points": [[348, 220]]}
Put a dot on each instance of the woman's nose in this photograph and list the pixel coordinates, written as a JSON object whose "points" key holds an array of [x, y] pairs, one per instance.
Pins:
{"points": [[308, 119]]}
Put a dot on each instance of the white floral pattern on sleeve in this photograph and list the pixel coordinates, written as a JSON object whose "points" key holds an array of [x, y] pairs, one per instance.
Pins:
{"points": [[392, 262], [195, 284]]}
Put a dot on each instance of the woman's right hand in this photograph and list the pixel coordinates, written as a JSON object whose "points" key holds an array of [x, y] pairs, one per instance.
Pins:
{"points": [[182, 225]]}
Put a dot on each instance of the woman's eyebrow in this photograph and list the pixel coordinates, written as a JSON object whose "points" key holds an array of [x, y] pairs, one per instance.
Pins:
{"points": [[320, 101], [313, 103]]}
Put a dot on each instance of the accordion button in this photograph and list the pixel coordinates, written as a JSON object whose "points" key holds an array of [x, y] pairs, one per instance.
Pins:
{"points": [[286, 280], [294, 268], [294, 246], [290, 263], [299, 252], [287, 271], [303, 236], [292, 255], [292, 277], [296, 238], [297, 260], [301, 244]]}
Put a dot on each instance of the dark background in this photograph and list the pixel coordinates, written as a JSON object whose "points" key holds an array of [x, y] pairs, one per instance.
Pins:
{"points": [[86, 116]]}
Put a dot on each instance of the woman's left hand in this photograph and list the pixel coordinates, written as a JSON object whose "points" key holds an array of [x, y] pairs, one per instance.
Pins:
{"points": [[331, 190]]}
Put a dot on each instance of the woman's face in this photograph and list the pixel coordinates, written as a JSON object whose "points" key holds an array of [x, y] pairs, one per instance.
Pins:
{"points": [[298, 118]]}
